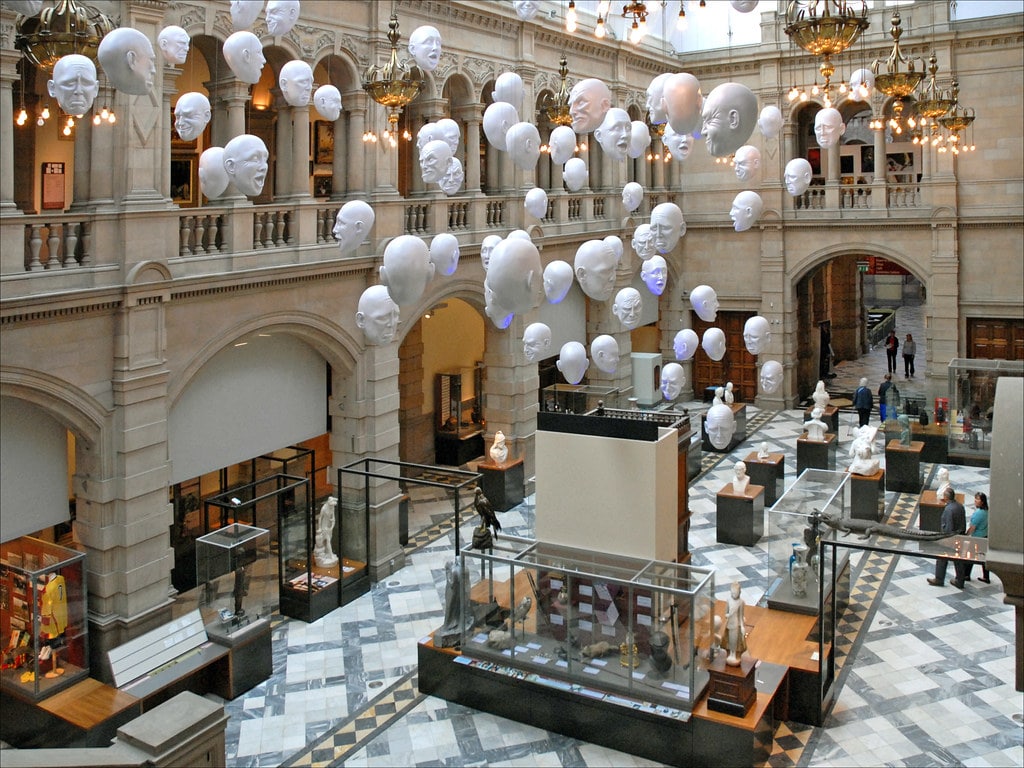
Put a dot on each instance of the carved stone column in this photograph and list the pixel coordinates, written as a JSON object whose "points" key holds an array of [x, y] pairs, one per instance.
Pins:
{"points": [[282, 148], [300, 153], [8, 77], [472, 116], [342, 142], [357, 102]]}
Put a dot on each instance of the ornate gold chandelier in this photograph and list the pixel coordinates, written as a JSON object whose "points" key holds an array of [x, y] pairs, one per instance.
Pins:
{"points": [[65, 28], [825, 28], [393, 85], [556, 108], [896, 82]]}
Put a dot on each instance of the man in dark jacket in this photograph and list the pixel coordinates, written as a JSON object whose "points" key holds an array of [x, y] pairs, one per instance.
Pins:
{"points": [[863, 402], [953, 520], [883, 398]]}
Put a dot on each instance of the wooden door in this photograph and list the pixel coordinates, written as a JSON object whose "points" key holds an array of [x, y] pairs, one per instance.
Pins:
{"points": [[738, 365], [995, 338]]}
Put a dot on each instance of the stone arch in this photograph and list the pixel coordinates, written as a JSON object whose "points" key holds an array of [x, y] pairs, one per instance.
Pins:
{"points": [[458, 89], [811, 261], [339, 70], [74, 408], [148, 272]]}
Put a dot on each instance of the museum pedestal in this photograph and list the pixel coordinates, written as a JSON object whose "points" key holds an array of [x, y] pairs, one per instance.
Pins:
{"points": [[740, 516], [930, 518], [250, 661], [867, 496], [830, 417], [732, 690], [814, 454], [903, 466], [934, 436], [739, 414], [456, 448], [769, 472], [502, 483]]}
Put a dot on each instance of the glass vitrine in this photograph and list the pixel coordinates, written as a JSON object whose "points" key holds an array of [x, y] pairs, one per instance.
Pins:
{"points": [[972, 392], [236, 577], [579, 398]]}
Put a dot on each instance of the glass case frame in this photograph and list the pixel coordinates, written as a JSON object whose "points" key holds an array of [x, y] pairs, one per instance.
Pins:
{"points": [[972, 392], [580, 398], [43, 618], [233, 563]]}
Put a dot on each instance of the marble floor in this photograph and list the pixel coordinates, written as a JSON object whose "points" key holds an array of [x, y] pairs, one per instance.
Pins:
{"points": [[926, 677]]}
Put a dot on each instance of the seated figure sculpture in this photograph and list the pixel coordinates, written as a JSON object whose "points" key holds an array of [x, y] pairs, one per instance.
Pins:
{"points": [[575, 174], [654, 273], [377, 315], [740, 478], [406, 269], [128, 60], [282, 16], [573, 362], [816, 428], [425, 47], [614, 133], [713, 343], [673, 379], [352, 225], [444, 253], [756, 334], [296, 82], [323, 552], [746, 210], [243, 53], [729, 117], [536, 342], [770, 377], [558, 278], [705, 302], [74, 84], [589, 100], [627, 306], [213, 179], [632, 195], [820, 396], [173, 42], [246, 163], [515, 275], [594, 266], [667, 226], [685, 344], [720, 425], [327, 101], [192, 113], [604, 351], [683, 99]]}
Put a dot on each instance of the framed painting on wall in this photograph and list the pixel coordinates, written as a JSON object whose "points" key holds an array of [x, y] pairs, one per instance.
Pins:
{"points": [[183, 187], [323, 142]]}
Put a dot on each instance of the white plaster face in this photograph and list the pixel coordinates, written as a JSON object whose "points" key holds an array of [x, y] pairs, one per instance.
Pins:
{"points": [[748, 163], [296, 81], [685, 344], [594, 266], [377, 315], [667, 226], [523, 142], [557, 280], [575, 174], [679, 144], [656, 100], [743, 6], [756, 335], [797, 176], [486, 248], [746, 209], [627, 306], [498, 315], [643, 242], [244, 13], [173, 42], [632, 196], [427, 133], [720, 424], [828, 127], [434, 159], [770, 377], [683, 101], [509, 88], [191, 115], [498, 118], [536, 342], [614, 132], [589, 100], [525, 9], [453, 178], [515, 275], [862, 83], [450, 133], [425, 47], [444, 253], [74, 84], [705, 302], [604, 351], [713, 343], [327, 101], [128, 60], [522, 234], [244, 55], [770, 121], [213, 179], [639, 138], [562, 144], [352, 224], [673, 379], [536, 202], [245, 160], [615, 243], [654, 273], [572, 361], [729, 117], [281, 16], [407, 269]]}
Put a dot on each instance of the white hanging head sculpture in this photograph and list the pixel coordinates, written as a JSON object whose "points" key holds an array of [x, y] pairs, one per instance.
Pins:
{"points": [[685, 344], [128, 60], [74, 84], [654, 273], [562, 143], [523, 142], [862, 83], [244, 13], [427, 133], [173, 42], [572, 361], [425, 47], [705, 302], [729, 117], [643, 242], [679, 144], [296, 82], [632, 195], [667, 226], [406, 269], [244, 54], [589, 100], [604, 351], [575, 174], [770, 377], [615, 243], [245, 161], [683, 102], [191, 115], [434, 159], [444, 253], [536, 342], [352, 225], [327, 101], [498, 118], [281, 16], [487, 248], [639, 138], [501, 317], [713, 343], [756, 334], [557, 280], [515, 275], [828, 127], [748, 163], [673, 379], [377, 315], [770, 121], [454, 177], [536, 202], [656, 99], [627, 306], [743, 6], [720, 425], [509, 89], [213, 179], [450, 132], [594, 266], [614, 133], [746, 209], [797, 176]]}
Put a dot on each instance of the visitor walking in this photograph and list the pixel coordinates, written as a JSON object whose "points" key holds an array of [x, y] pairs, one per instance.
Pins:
{"points": [[892, 345], [909, 350], [953, 520], [979, 528], [863, 402], [883, 397]]}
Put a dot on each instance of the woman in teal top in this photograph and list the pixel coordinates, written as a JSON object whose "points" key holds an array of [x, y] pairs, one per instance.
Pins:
{"points": [[979, 528]]}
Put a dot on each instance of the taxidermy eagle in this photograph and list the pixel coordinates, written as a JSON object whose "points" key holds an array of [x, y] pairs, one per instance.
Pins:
{"points": [[488, 520]]}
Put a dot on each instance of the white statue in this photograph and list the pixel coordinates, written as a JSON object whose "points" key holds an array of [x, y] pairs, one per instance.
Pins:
{"points": [[575, 174], [770, 377], [521, 234], [685, 344], [862, 450], [729, 115], [594, 266], [508, 87], [627, 306], [828, 127], [572, 361], [558, 276], [797, 176], [427, 133], [770, 121], [281, 16], [643, 242], [748, 162], [730, 393], [425, 47], [454, 177], [762, 451], [525, 9], [536, 202], [589, 100], [244, 54], [406, 269], [673, 379], [705, 302], [499, 451], [296, 82], [816, 428], [444, 253], [614, 133], [327, 101], [942, 483], [667, 226], [746, 210], [536, 342], [720, 425], [515, 275], [713, 343], [352, 224], [719, 396], [654, 273], [632, 195], [498, 118], [740, 478], [128, 60], [213, 179], [679, 144], [434, 159], [245, 160], [734, 637], [74, 84], [683, 100], [743, 6], [501, 317], [523, 142], [487, 248], [173, 42], [450, 132], [862, 83], [562, 144], [192, 113], [820, 397], [756, 334], [639, 138], [323, 552], [656, 99], [377, 315], [244, 12], [604, 351], [615, 243]]}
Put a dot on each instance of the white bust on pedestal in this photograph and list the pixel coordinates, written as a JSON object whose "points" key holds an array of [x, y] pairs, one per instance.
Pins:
{"points": [[816, 428], [740, 478], [499, 451]]}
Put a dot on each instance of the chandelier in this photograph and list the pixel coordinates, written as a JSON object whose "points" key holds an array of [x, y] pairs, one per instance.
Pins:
{"points": [[556, 108], [956, 123], [393, 85], [825, 28], [895, 82], [60, 30], [933, 102]]}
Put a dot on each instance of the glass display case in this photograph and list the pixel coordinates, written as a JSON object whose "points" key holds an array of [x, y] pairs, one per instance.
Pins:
{"points": [[458, 416], [235, 572], [43, 623], [580, 398], [972, 393], [614, 624]]}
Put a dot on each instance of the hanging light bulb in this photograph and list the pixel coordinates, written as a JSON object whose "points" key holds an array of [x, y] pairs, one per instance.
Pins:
{"points": [[681, 19], [22, 117], [66, 130], [112, 119], [793, 93], [635, 35], [570, 17], [40, 122], [814, 90], [599, 29], [96, 120], [105, 113], [803, 95], [46, 112], [71, 122], [842, 87]]}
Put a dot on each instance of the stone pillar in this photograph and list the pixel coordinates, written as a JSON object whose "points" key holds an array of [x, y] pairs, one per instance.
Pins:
{"points": [[878, 183], [357, 103], [228, 98], [506, 173], [170, 75], [282, 148], [8, 77], [778, 307], [596, 161], [83, 161], [101, 185], [493, 169], [342, 144], [942, 325], [472, 116], [299, 153], [510, 392], [658, 166]]}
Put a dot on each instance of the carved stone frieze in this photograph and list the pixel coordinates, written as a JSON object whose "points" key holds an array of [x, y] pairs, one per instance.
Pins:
{"points": [[191, 18], [481, 70], [7, 32]]}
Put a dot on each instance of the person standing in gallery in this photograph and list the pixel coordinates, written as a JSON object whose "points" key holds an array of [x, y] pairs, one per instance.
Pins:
{"points": [[909, 350], [953, 520], [979, 528], [883, 396], [863, 402], [892, 345]]}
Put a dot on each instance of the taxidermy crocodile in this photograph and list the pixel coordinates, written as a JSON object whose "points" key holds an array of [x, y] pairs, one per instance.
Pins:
{"points": [[867, 528]]}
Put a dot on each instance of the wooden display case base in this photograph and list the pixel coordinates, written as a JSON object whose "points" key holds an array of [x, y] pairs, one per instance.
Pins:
{"points": [[732, 690], [769, 472], [903, 466], [503, 484], [930, 518], [814, 454], [739, 517], [867, 496]]}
